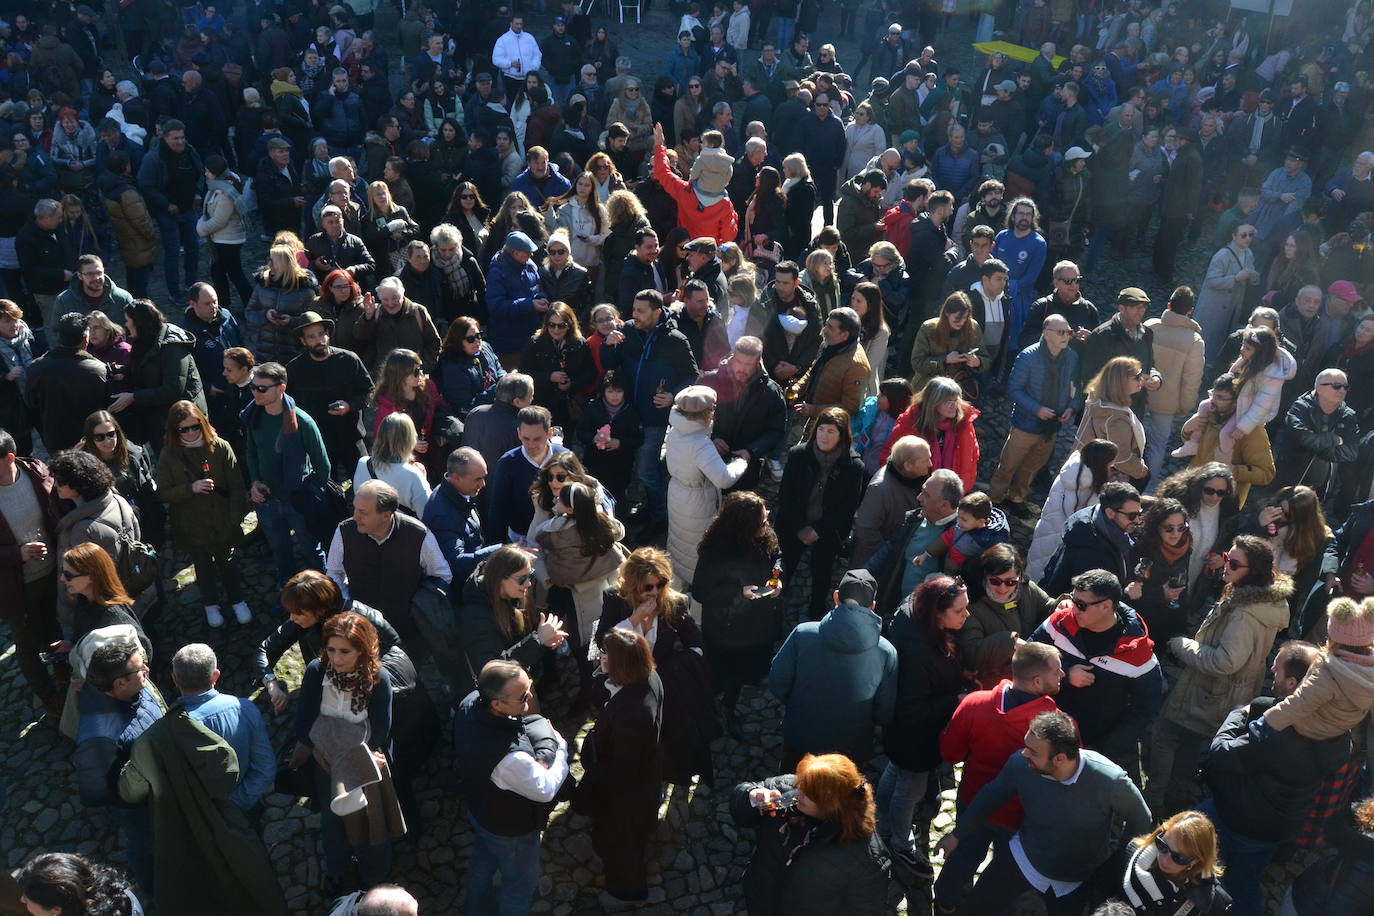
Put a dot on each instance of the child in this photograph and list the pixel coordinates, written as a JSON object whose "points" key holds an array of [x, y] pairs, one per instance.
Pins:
{"points": [[872, 425], [979, 527], [712, 168], [1260, 372], [610, 433], [1338, 691]]}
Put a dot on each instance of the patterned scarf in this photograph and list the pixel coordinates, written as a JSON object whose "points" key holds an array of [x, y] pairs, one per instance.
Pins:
{"points": [[454, 276], [354, 684]]}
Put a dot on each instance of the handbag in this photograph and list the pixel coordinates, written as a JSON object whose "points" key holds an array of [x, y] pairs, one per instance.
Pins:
{"points": [[295, 771], [1060, 232]]}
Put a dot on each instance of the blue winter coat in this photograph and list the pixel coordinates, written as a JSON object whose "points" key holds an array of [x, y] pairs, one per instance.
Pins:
{"points": [[453, 519], [512, 288], [1029, 374]]}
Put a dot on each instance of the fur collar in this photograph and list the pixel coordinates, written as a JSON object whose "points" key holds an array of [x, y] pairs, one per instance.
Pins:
{"points": [[1279, 591]]}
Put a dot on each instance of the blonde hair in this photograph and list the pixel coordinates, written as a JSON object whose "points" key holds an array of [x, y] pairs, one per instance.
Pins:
{"points": [[1109, 385], [1195, 837], [281, 260], [384, 189]]}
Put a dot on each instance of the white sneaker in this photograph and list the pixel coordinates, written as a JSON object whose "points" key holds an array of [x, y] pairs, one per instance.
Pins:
{"points": [[242, 612], [775, 468], [213, 616]]}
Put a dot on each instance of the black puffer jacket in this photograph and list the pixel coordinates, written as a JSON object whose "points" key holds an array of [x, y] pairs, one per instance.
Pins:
{"points": [[165, 374], [929, 684], [1343, 883]]}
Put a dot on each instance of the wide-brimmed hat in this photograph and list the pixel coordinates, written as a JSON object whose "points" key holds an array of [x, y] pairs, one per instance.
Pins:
{"points": [[306, 319]]}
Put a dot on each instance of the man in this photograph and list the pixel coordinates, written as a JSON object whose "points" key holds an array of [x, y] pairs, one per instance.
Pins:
{"points": [[333, 385], [840, 371], [451, 513], [1179, 354], [892, 493], [956, 166], [29, 515], [657, 362], [195, 672], [1022, 248], [1115, 684], [1264, 781], [1281, 198], [992, 311], [66, 385], [1255, 141], [860, 210], [491, 428], [1351, 193], [1246, 202], [925, 261], [1320, 433], [382, 556], [746, 173], [332, 249], [964, 273], [756, 104], [703, 263], [897, 221], [702, 325], [514, 769], [751, 412], [339, 114], [1096, 537], [510, 510], [824, 144], [561, 53], [374, 93], [836, 678], [285, 451], [117, 705], [640, 270], [786, 357], [207, 123], [1080, 808], [990, 210], [278, 185], [1179, 203], [172, 181], [43, 263], [1125, 334], [1252, 460], [515, 54], [92, 290], [192, 769], [1042, 397], [987, 728], [893, 564], [1309, 329], [215, 330], [382, 900], [1066, 300], [113, 139], [1300, 118], [541, 179], [515, 297]]}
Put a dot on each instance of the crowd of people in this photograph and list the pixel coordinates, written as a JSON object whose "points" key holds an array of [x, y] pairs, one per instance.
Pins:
{"points": [[562, 383]]}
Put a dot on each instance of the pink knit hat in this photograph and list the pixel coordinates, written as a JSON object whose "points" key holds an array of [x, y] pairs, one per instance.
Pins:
{"points": [[1350, 624]]}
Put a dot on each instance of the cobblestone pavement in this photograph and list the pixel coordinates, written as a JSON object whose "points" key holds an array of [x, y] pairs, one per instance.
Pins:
{"points": [[697, 854]]}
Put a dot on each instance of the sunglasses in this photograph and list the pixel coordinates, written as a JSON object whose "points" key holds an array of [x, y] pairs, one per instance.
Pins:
{"points": [[467, 196], [262, 389], [189, 427], [523, 698], [694, 85], [417, 372], [1338, 386], [1061, 332], [653, 586], [1216, 491], [524, 579], [1084, 605], [1174, 529], [101, 437], [632, 91], [1004, 581], [1164, 849], [1070, 281], [68, 575], [560, 478], [1235, 564], [557, 252], [1245, 235], [1130, 516]]}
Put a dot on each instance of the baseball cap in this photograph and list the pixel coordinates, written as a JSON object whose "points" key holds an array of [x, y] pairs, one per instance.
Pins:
{"points": [[1076, 152], [1344, 289], [858, 586]]}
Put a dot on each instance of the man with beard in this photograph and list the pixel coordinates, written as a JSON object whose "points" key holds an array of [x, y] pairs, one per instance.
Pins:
{"points": [[1079, 810], [1022, 248], [751, 412], [331, 384]]}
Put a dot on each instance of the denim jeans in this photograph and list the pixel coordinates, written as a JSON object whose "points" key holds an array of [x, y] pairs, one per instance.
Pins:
{"points": [[1245, 859], [649, 468], [515, 857], [284, 528], [1159, 430], [179, 241], [899, 792], [785, 27], [137, 826], [961, 864]]}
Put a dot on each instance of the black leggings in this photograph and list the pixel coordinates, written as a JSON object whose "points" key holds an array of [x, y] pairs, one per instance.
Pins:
{"points": [[226, 268]]}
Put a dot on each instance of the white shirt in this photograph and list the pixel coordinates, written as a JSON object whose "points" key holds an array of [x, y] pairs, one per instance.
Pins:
{"points": [[520, 773], [1028, 871], [431, 558]]}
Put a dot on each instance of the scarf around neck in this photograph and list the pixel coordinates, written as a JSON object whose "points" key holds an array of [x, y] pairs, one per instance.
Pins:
{"points": [[358, 688]]}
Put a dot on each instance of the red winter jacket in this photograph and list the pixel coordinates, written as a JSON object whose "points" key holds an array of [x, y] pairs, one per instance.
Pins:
{"points": [[897, 225], [717, 221], [982, 737], [965, 442]]}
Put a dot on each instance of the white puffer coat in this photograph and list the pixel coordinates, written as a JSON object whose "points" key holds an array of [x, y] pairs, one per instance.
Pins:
{"points": [[698, 475]]}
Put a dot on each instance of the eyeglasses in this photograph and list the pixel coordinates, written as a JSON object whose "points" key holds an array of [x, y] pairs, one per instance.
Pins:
{"points": [[1174, 529], [188, 428], [262, 389], [1004, 581], [467, 196], [1245, 235], [1070, 281], [1216, 491], [1084, 605], [68, 575], [472, 338], [557, 252], [141, 669], [417, 372], [101, 437], [1132, 516], [654, 586], [523, 579], [523, 698], [1164, 849], [1235, 564], [1336, 386], [560, 478], [1061, 332]]}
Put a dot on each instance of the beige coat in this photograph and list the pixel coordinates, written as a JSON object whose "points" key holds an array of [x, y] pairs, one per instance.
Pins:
{"points": [[841, 382], [1119, 424], [1179, 356], [1224, 665], [1335, 696]]}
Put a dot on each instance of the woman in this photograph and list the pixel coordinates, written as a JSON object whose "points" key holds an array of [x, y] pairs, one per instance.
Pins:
{"points": [[403, 386], [1011, 606], [102, 612], [867, 301], [439, 106], [199, 479], [819, 494], [817, 852], [1146, 175], [1354, 356], [605, 176], [412, 120], [886, 268], [1261, 371], [73, 151], [697, 475], [667, 91], [622, 765], [392, 461], [866, 141], [1175, 869], [925, 633], [1073, 489], [582, 215], [161, 370], [1223, 666], [498, 618], [1294, 526], [516, 213], [462, 286], [221, 224], [942, 417], [819, 277], [387, 229], [1230, 273], [557, 358], [765, 215], [1296, 266], [800, 193], [533, 96], [950, 344], [1108, 415], [645, 602], [76, 232], [468, 370], [632, 110], [1209, 497], [103, 97], [601, 53], [1159, 563], [341, 298], [107, 342], [748, 316], [449, 155], [469, 213], [284, 290], [72, 885], [611, 432], [563, 279], [741, 615], [131, 465], [627, 216], [346, 700], [691, 111]]}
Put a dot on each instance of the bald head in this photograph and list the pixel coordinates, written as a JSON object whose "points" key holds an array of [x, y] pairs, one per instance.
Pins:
{"points": [[388, 900], [374, 507]]}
